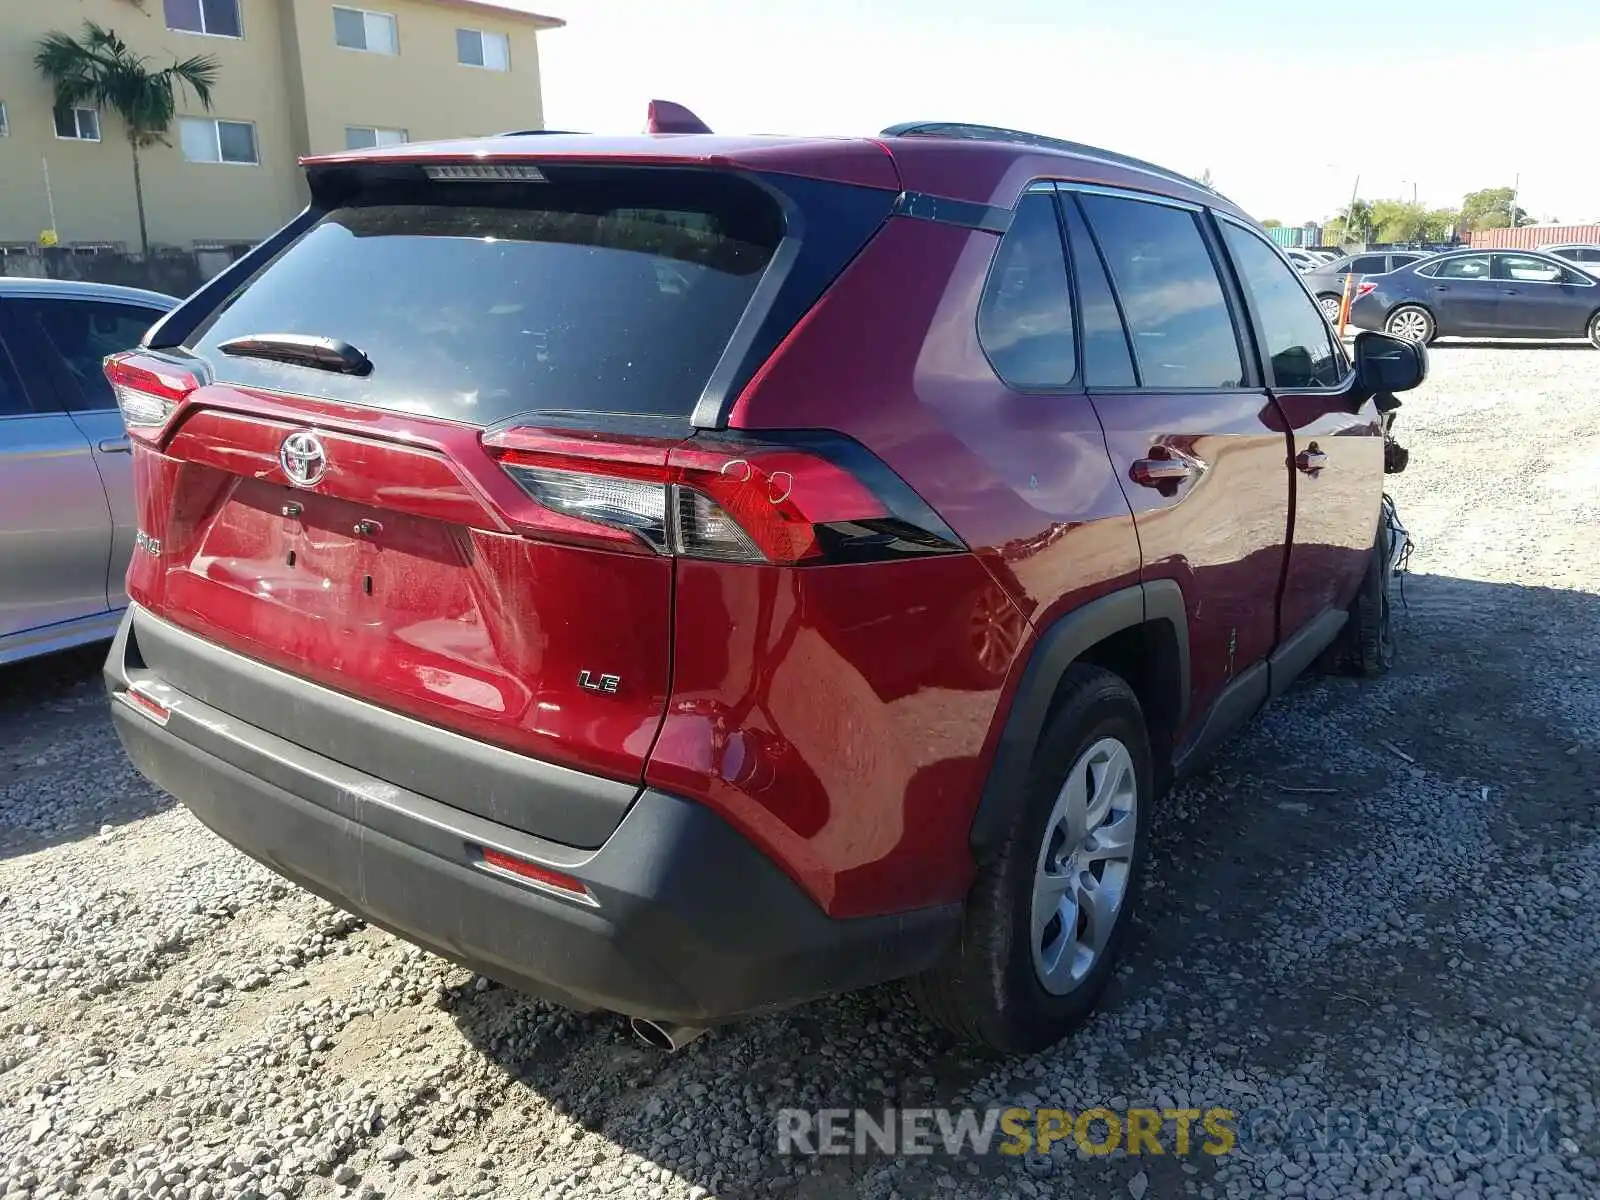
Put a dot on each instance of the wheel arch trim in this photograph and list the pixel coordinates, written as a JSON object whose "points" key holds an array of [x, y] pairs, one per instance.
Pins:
{"points": [[1057, 647]]}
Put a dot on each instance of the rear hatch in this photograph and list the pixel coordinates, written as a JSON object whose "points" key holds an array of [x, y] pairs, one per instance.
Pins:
{"points": [[332, 487]]}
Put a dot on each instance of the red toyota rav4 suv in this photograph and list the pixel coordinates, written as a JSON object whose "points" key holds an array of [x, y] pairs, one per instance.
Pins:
{"points": [[683, 575]]}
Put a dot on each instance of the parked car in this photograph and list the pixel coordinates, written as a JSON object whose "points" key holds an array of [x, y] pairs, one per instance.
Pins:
{"points": [[1483, 293], [687, 575], [1303, 260], [1326, 282], [1585, 258], [66, 507]]}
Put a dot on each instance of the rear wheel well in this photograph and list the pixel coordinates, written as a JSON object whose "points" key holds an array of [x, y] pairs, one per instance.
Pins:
{"points": [[1146, 658]]}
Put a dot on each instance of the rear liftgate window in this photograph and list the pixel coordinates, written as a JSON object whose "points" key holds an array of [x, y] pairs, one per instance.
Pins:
{"points": [[615, 293]]}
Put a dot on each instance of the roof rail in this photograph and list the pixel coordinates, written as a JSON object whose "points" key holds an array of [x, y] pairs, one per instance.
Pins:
{"points": [[1018, 137], [528, 132]]}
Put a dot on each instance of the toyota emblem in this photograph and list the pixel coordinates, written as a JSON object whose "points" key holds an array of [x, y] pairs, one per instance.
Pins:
{"points": [[302, 458]]}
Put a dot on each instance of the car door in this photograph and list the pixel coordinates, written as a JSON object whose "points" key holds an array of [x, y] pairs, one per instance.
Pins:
{"points": [[75, 335], [1462, 296], [1541, 298], [1197, 443], [55, 522], [1336, 448]]}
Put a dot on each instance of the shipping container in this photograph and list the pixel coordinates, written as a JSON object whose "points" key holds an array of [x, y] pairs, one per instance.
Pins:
{"points": [[1308, 234], [1531, 237]]}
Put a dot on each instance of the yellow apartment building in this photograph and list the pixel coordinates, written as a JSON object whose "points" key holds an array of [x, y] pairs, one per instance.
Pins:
{"points": [[294, 77]]}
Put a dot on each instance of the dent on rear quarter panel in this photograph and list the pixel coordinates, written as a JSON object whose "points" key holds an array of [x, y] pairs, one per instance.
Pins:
{"points": [[840, 727]]}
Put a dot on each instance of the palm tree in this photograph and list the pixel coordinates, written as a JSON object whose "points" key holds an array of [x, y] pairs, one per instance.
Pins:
{"points": [[99, 70]]}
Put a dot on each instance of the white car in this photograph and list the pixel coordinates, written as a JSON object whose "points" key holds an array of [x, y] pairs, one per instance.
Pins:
{"points": [[1303, 260], [1581, 255]]}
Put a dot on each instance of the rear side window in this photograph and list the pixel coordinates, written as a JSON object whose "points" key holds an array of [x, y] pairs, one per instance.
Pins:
{"points": [[1025, 316], [1396, 261], [1298, 341], [1368, 264], [1183, 335], [1471, 266], [614, 292], [1107, 361], [81, 333]]}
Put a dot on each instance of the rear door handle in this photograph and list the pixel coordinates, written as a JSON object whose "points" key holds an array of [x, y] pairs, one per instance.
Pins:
{"points": [[113, 446], [1311, 460], [1168, 471]]}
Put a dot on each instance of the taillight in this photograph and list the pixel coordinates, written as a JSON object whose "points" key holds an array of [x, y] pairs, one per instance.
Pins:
{"points": [[1363, 288], [781, 498], [148, 389]]}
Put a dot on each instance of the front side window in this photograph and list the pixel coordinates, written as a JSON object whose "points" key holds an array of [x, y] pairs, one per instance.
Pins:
{"points": [[478, 48], [1025, 315], [1521, 268], [365, 137], [1469, 266], [205, 140], [82, 333], [1182, 331], [219, 18], [357, 29], [1296, 337], [77, 124]]}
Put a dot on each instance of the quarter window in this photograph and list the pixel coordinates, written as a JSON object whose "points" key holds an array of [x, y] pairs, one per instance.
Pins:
{"points": [[1025, 316], [358, 29], [478, 48], [220, 18], [365, 137], [1297, 339], [1182, 332], [77, 124], [209, 141]]}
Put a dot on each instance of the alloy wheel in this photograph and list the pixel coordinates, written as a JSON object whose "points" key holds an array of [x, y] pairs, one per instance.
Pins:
{"points": [[1084, 867], [1411, 324], [1330, 307]]}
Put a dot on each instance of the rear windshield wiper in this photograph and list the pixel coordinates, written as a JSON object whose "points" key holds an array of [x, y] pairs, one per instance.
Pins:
{"points": [[323, 353]]}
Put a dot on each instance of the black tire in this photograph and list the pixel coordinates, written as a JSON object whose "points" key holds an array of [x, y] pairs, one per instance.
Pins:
{"points": [[1429, 327], [1594, 330], [987, 991], [1366, 643]]}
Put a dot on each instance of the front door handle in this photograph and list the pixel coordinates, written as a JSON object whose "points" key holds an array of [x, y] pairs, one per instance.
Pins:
{"points": [[113, 446], [1311, 460]]}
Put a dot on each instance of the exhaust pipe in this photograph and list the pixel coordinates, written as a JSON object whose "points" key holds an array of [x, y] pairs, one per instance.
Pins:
{"points": [[661, 1036]]}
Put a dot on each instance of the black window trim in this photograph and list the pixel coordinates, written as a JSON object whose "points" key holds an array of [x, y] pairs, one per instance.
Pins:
{"points": [[1243, 331], [1258, 332]]}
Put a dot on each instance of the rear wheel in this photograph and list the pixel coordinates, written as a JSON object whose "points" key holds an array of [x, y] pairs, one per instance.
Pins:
{"points": [[1412, 322], [1047, 917], [1594, 330], [1329, 303]]}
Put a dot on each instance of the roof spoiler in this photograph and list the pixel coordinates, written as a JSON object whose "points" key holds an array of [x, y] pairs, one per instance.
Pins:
{"points": [[667, 117]]}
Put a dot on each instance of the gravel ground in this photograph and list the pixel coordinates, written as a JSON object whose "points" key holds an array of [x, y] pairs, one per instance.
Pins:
{"points": [[1418, 935]]}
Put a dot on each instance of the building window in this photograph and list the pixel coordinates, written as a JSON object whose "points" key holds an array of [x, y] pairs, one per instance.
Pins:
{"points": [[476, 48], [357, 29], [207, 141], [219, 18], [365, 137], [78, 124]]}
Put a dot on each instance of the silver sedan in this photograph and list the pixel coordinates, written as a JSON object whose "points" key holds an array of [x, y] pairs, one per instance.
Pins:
{"points": [[66, 506]]}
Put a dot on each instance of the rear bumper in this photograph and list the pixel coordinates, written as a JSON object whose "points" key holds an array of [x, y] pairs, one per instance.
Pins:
{"points": [[689, 921]]}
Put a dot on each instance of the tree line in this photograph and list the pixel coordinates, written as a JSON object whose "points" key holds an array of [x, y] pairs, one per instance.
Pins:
{"points": [[1386, 221]]}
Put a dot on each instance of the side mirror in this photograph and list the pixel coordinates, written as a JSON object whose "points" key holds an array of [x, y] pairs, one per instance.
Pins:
{"points": [[1385, 363]]}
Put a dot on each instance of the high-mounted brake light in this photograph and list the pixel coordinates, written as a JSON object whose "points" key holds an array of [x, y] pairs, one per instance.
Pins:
{"points": [[797, 499], [148, 389], [484, 173], [1363, 288]]}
